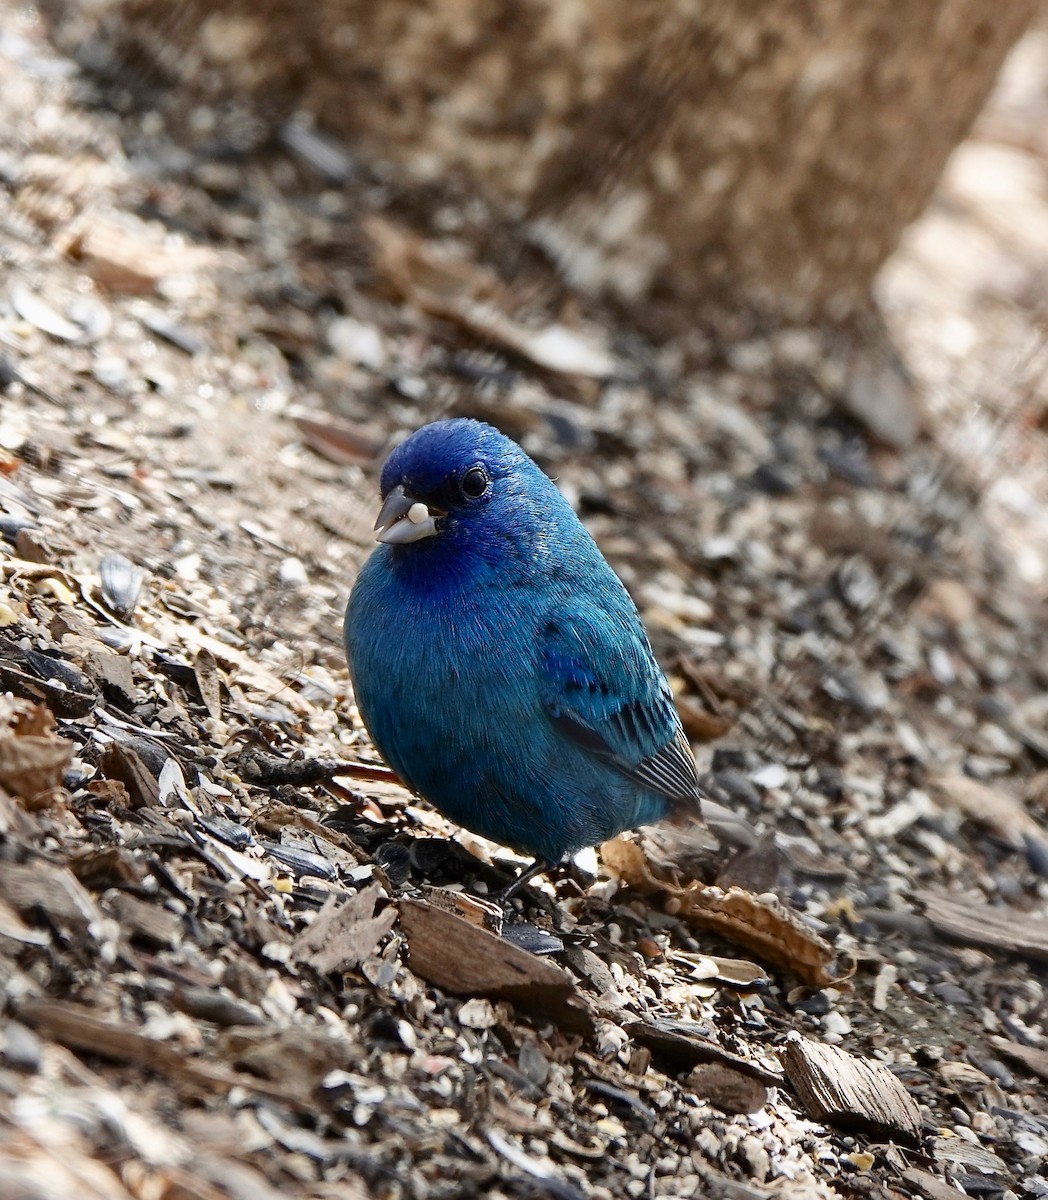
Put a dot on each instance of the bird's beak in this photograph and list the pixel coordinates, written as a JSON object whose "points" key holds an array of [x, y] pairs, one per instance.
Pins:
{"points": [[402, 519]]}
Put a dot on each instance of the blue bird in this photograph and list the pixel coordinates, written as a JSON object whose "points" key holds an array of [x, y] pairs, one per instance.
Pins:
{"points": [[499, 665]]}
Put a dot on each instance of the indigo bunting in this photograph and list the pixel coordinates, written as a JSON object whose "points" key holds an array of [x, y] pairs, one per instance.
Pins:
{"points": [[498, 663]]}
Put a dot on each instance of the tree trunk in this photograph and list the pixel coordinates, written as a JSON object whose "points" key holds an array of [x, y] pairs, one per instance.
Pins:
{"points": [[764, 154]]}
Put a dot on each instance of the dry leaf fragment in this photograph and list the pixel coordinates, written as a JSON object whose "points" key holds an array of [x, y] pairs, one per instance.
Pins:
{"points": [[125, 765], [126, 256], [771, 932], [247, 670], [475, 298], [32, 756], [852, 1093], [338, 441], [343, 935], [209, 681]]}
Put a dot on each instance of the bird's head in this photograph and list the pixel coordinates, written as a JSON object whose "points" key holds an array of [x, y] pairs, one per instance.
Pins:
{"points": [[455, 476]]}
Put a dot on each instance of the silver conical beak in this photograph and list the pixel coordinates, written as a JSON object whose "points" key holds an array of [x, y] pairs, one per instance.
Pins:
{"points": [[403, 519]]}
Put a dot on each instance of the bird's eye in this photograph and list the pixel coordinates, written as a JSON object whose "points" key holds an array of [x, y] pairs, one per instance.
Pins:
{"points": [[474, 483]]}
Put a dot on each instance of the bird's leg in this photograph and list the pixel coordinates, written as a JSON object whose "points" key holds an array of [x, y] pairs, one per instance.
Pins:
{"points": [[538, 867]]}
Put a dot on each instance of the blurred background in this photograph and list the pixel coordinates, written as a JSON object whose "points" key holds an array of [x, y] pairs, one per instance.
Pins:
{"points": [[700, 176]]}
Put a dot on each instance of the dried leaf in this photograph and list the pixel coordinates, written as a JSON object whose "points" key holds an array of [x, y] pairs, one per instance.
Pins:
{"points": [[32, 756], [341, 936], [338, 441], [771, 932], [248, 671]]}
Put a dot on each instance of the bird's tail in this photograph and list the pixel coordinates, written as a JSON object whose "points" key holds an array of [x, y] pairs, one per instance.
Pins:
{"points": [[728, 826]]}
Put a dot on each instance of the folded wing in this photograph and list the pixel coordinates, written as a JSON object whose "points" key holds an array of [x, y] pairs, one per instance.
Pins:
{"points": [[602, 689]]}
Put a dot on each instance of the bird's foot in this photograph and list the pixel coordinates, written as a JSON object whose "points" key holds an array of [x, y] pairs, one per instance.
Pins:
{"points": [[538, 867]]}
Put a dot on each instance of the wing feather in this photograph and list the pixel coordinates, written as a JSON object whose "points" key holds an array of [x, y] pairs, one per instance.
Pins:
{"points": [[603, 690]]}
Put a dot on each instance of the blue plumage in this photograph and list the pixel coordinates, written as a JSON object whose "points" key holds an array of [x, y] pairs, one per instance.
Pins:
{"points": [[499, 664]]}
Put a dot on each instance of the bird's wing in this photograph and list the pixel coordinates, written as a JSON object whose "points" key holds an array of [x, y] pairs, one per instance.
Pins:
{"points": [[602, 689]]}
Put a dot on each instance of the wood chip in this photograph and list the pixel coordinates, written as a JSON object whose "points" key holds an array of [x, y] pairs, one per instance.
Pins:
{"points": [[16, 930], [992, 808], [965, 1158], [125, 765], [80, 1028], [687, 1045], [1032, 1058], [983, 925], [41, 887], [149, 923], [51, 693], [729, 1090], [123, 257], [926, 1185], [111, 865], [853, 1093], [342, 935], [209, 681], [463, 959]]}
